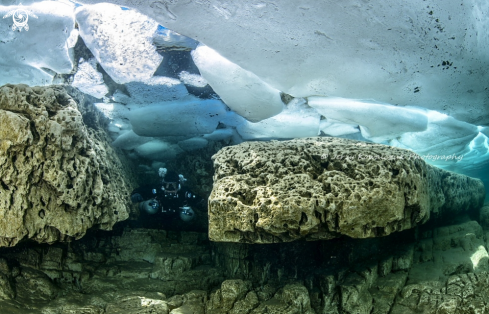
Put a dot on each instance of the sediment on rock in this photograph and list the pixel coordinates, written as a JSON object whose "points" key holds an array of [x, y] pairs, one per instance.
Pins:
{"points": [[58, 175], [322, 188]]}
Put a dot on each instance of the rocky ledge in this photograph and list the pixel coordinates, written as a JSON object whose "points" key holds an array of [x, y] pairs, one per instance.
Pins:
{"points": [[137, 271], [322, 188], [58, 174]]}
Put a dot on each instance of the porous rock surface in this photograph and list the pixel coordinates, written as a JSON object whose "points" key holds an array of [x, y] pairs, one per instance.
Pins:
{"points": [[322, 188], [58, 177]]}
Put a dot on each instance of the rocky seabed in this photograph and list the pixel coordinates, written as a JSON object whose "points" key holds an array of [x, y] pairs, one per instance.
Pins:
{"points": [[439, 270]]}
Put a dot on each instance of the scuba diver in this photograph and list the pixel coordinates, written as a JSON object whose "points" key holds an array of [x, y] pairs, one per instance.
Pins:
{"points": [[168, 199]]}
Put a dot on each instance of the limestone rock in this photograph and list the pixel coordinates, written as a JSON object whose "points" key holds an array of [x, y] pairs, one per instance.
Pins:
{"points": [[238, 297], [137, 305], [245, 305], [58, 176], [35, 286], [449, 250], [449, 272], [6, 290], [385, 289], [193, 303], [226, 298], [147, 248], [355, 297], [292, 298], [484, 217], [465, 293], [359, 280], [167, 266], [321, 188], [405, 260]]}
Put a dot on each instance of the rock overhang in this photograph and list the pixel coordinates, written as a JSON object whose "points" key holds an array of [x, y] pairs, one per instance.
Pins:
{"points": [[323, 188]]}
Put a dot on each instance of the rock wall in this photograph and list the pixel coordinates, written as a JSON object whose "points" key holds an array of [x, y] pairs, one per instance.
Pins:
{"points": [[58, 174], [321, 188], [146, 271], [127, 271], [157, 271]]}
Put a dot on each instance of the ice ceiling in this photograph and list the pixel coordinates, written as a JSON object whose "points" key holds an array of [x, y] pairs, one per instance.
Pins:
{"points": [[410, 74]]}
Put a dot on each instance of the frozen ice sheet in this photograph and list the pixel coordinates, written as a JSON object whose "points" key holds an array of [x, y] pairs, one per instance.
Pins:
{"points": [[241, 90], [89, 80], [121, 40], [178, 118], [158, 150], [294, 122], [130, 140], [193, 143], [378, 122], [32, 56]]}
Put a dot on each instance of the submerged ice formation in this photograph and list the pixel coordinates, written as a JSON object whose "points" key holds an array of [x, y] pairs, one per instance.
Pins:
{"points": [[412, 82], [428, 53], [158, 149], [129, 140], [167, 39], [334, 128], [162, 123], [155, 89], [89, 80], [181, 118], [351, 70], [121, 40], [241, 90], [378, 122], [294, 122], [35, 55], [444, 134]]}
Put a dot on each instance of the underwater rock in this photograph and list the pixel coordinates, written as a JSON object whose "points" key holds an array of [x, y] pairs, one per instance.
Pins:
{"points": [[385, 289], [461, 293], [338, 276], [193, 303], [108, 270], [292, 298], [322, 188], [59, 175], [484, 217], [137, 305], [228, 296], [237, 296], [35, 285], [355, 297], [447, 251], [6, 289]]}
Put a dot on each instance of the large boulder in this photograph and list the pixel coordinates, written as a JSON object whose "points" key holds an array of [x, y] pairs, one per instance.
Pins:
{"points": [[58, 177], [322, 188]]}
